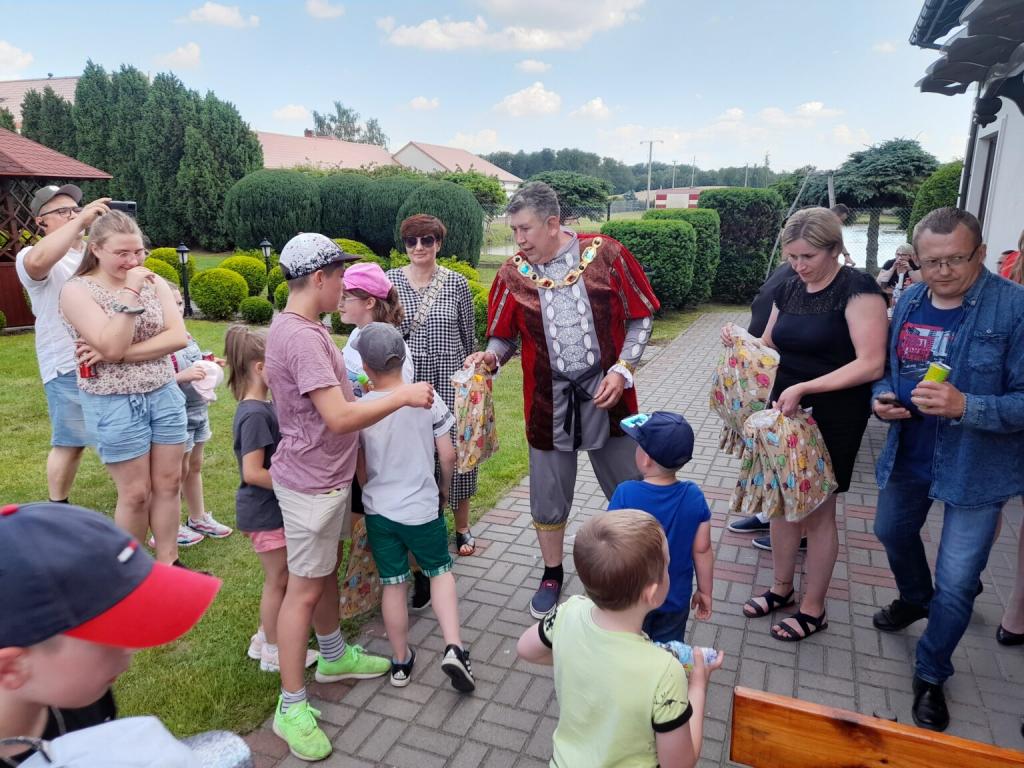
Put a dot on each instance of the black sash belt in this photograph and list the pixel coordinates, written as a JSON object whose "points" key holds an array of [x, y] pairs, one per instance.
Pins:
{"points": [[573, 424]]}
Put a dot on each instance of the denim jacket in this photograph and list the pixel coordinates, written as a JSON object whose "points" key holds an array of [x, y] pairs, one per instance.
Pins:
{"points": [[979, 459]]}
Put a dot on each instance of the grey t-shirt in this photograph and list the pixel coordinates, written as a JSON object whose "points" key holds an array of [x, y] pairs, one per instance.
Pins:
{"points": [[255, 427]]}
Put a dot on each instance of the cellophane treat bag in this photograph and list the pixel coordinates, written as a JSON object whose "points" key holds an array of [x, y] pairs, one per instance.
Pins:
{"points": [[476, 434]]}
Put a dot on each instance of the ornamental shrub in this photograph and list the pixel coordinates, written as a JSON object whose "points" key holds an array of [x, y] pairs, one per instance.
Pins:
{"points": [[3, 320], [170, 256], [274, 279], [254, 271], [397, 259], [378, 209], [937, 191], [750, 221], [256, 310], [458, 209], [273, 203], [706, 224], [162, 268], [218, 292], [666, 249], [341, 195], [479, 293], [281, 295], [353, 246], [338, 327], [462, 267]]}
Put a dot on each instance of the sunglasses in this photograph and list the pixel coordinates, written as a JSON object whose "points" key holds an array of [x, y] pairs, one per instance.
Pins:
{"points": [[427, 241]]}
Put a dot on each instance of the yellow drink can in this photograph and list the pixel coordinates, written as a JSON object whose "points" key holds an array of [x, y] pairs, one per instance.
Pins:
{"points": [[937, 372]]}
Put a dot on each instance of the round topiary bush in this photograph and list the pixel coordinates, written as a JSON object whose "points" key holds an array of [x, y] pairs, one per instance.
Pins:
{"points": [[937, 191], [281, 295], [218, 292], [341, 194], [479, 293], [170, 256], [271, 203], [3, 320], [254, 271], [274, 279], [256, 310], [353, 246], [397, 259], [457, 208], [162, 268], [462, 267], [378, 208]]}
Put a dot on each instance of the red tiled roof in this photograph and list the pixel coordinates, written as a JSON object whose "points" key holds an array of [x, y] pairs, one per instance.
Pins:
{"points": [[454, 159], [23, 157], [281, 151], [12, 92]]}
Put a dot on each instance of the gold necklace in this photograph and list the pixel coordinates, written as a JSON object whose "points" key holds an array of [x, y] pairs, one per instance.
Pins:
{"points": [[525, 268]]}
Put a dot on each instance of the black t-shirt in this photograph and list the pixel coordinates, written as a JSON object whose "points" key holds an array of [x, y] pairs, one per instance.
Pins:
{"points": [[61, 721], [813, 339], [255, 427], [895, 275], [761, 307]]}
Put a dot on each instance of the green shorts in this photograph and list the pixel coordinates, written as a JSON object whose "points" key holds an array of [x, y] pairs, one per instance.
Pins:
{"points": [[392, 542]]}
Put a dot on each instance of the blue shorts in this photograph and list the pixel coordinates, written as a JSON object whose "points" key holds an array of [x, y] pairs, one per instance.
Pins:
{"points": [[126, 426], [67, 424], [664, 626], [197, 426]]}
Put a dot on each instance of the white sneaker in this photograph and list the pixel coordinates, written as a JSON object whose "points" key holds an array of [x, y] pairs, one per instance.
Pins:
{"points": [[269, 661], [207, 526], [186, 538], [255, 647]]}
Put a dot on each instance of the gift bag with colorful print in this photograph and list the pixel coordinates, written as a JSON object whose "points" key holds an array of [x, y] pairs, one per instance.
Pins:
{"points": [[740, 385], [360, 592], [476, 436]]}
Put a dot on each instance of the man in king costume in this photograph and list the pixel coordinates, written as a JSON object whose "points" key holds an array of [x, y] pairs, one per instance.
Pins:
{"points": [[582, 309]]}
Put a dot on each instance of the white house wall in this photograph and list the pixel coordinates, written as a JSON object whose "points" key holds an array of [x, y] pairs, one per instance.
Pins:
{"points": [[1003, 218], [413, 157]]}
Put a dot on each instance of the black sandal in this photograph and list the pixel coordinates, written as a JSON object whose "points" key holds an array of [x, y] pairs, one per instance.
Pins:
{"points": [[772, 601], [810, 625], [465, 540]]}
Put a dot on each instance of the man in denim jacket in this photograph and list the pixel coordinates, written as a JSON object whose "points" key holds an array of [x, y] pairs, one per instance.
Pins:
{"points": [[960, 442]]}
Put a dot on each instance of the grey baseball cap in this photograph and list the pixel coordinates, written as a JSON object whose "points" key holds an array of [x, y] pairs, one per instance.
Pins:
{"points": [[44, 195], [381, 346], [305, 253]]}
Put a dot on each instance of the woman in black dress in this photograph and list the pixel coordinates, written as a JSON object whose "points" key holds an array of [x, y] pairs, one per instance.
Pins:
{"points": [[829, 325]]}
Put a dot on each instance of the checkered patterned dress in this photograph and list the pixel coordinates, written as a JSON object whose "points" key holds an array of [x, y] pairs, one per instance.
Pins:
{"points": [[440, 346]]}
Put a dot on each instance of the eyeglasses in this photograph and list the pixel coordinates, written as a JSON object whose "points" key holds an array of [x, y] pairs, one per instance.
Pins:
{"points": [[64, 213], [951, 262], [427, 241], [141, 254]]}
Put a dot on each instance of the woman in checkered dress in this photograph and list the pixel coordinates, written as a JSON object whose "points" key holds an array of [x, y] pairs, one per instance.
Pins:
{"points": [[440, 336]]}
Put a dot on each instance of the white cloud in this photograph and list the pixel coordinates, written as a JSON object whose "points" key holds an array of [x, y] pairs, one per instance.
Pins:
{"points": [[816, 109], [731, 115], [884, 47], [185, 57], [483, 141], [13, 60], [222, 16], [533, 66], [846, 136], [322, 9], [535, 100], [595, 109], [423, 104], [532, 25], [387, 23], [291, 113]]}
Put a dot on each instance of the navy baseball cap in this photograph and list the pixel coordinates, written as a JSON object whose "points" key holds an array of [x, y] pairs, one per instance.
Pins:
{"points": [[69, 570], [665, 437]]}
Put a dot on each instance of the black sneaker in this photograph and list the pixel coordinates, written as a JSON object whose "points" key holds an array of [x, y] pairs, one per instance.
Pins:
{"points": [[765, 543], [420, 591], [750, 524], [898, 615], [401, 674], [545, 598], [456, 665]]}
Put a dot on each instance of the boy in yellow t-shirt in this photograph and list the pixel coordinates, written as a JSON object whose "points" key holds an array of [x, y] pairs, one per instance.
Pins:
{"points": [[623, 700]]}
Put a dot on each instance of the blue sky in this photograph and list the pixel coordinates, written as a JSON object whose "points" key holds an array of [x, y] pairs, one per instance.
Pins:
{"points": [[807, 82]]}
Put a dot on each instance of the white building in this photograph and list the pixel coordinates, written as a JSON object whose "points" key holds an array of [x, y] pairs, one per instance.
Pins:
{"points": [[430, 158], [982, 50]]}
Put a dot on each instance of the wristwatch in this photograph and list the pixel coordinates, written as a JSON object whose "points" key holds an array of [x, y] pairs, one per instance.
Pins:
{"points": [[126, 310]]}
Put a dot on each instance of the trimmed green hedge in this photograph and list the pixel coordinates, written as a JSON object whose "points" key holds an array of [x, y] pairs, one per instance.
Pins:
{"points": [[256, 310], [750, 221], [341, 195], [479, 292], [281, 295], [170, 256], [937, 191], [218, 292], [353, 246], [273, 203], [463, 268], [162, 268], [254, 271], [274, 279], [706, 224], [378, 211], [457, 208], [667, 249], [3, 320]]}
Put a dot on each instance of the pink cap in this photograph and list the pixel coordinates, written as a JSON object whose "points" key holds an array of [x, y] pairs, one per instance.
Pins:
{"points": [[368, 277]]}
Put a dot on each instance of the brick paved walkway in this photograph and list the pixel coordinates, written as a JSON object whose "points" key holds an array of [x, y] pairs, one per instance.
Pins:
{"points": [[510, 718]]}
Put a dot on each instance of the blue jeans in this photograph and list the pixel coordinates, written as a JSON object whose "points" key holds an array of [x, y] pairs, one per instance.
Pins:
{"points": [[663, 626], [967, 534]]}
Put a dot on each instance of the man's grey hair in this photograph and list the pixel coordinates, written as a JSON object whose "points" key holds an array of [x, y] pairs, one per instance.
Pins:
{"points": [[538, 197], [944, 221]]}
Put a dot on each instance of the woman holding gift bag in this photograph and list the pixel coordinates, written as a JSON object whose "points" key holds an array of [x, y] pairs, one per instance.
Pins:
{"points": [[829, 325], [439, 329]]}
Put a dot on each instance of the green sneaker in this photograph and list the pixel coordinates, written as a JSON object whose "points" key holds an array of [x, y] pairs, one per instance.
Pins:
{"points": [[354, 664], [299, 730]]}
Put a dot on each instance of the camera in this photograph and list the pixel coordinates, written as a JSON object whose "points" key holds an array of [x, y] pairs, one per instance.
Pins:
{"points": [[124, 206]]}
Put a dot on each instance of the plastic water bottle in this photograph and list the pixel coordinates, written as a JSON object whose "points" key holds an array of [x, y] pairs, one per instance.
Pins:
{"points": [[685, 653]]}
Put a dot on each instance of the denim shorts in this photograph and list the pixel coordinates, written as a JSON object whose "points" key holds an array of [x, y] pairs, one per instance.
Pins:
{"points": [[126, 426], [67, 424], [197, 427]]}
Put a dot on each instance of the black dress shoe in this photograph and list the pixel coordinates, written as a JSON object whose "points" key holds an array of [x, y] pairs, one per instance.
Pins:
{"points": [[930, 706], [898, 615], [765, 543], [1006, 637]]}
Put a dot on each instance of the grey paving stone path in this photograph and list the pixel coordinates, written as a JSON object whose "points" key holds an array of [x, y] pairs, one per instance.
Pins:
{"points": [[510, 718]]}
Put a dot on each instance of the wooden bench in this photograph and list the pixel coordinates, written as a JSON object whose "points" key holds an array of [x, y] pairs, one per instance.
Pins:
{"points": [[771, 731]]}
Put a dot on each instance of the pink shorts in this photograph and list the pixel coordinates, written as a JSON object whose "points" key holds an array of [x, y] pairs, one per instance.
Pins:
{"points": [[267, 541]]}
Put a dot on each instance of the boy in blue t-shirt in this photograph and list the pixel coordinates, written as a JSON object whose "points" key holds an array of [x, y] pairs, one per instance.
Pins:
{"points": [[664, 446]]}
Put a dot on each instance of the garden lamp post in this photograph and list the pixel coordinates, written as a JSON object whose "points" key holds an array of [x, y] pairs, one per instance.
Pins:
{"points": [[183, 261], [265, 246]]}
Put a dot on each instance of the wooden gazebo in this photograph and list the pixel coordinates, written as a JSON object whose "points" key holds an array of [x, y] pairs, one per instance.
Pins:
{"points": [[24, 167]]}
